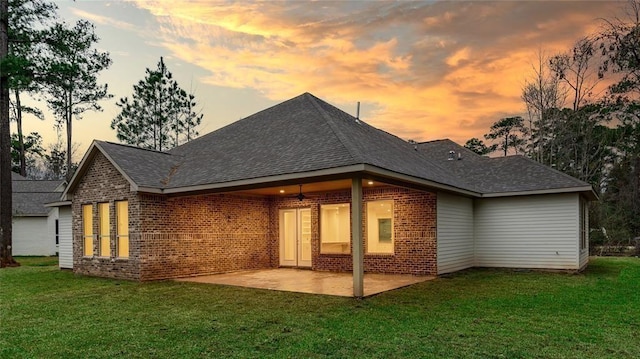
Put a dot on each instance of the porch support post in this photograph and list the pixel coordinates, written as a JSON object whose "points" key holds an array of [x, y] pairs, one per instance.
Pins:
{"points": [[356, 237]]}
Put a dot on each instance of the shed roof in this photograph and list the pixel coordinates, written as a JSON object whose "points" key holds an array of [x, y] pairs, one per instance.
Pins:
{"points": [[29, 196]]}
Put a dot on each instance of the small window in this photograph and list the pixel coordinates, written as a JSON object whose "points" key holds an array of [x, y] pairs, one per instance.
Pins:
{"points": [[380, 227], [57, 232], [122, 229], [335, 229], [87, 230], [104, 247]]}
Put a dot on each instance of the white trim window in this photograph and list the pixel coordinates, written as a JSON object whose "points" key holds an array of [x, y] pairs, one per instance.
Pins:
{"points": [[87, 230], [104, 226], [380, 236], [122, 229], [335, 228]]}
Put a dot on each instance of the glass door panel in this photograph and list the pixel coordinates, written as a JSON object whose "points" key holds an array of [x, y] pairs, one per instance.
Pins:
{"points": [[295, 237]]}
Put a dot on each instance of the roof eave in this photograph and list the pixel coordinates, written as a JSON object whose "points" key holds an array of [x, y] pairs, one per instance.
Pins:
{"points": [[586, 190], [252, 182], [381, 172], [30, 215], [58, 204], [342, 172]]}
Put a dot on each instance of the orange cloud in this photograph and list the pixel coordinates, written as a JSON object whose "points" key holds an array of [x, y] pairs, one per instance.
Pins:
{"points": [[422, 70]]}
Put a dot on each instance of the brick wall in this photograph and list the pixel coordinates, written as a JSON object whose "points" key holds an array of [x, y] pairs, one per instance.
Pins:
{"points": [[103, 183], [202, 234], [190, 235], [414, 231]]}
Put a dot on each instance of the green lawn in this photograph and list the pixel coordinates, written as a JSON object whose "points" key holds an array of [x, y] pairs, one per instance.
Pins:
{"points": [[480, 313]]}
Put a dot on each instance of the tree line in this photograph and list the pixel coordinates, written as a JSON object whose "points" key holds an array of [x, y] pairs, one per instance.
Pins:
{"points": [[44, 58], [591, 135], [58, 63]]}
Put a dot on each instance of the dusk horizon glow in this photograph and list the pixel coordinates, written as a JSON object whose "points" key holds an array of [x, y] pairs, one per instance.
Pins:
{"points": [[421, 70]]}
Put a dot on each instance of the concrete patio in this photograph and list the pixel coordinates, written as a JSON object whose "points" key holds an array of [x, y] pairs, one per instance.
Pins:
{"points": [[308, 281]]}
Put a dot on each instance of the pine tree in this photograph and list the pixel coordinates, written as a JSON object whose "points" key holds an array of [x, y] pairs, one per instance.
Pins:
{"points": [[160, 114], [6, 257], [72, 81], [27, 28]]}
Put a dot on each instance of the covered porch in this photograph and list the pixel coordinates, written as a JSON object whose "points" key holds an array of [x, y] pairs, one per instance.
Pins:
{"points": [[339, 267], [308, 281], [296, 235]]}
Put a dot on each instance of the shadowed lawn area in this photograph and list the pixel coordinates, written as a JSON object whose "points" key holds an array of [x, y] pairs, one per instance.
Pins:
{"points": [[479, 313]]}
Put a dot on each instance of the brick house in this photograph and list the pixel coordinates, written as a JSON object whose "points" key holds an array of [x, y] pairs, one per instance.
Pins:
{"points": [[284, 187]]}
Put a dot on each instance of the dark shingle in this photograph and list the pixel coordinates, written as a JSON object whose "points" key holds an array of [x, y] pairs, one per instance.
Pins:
{"points": [[29, 196], [307, 134], [291, 137], [147, 168], [499, 174]]}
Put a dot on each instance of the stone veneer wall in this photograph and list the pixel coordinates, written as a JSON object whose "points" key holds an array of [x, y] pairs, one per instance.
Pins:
{"points": [[414, 232]]}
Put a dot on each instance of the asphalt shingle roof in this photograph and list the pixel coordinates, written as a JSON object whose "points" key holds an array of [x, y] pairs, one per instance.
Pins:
{"points": [[291, 137], [29, 196], [307, 134], [145, 167], [498, 174]]}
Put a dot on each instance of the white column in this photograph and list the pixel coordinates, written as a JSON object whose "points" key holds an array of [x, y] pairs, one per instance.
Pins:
{"points": [[356, 237]]}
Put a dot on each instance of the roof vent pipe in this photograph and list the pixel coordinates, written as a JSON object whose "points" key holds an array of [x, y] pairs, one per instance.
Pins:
{"points": [[459, 156], [358, 113]]}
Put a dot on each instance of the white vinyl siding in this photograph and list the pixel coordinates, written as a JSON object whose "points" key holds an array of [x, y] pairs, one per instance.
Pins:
{"points": [[31, 237], [455, 233], [52, 216], [65, 247], [584, 252], [528, 232]]}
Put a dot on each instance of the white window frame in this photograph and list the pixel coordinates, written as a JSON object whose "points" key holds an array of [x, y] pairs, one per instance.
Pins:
{"points": [[338, 240], [104, 237], [120, 236], [87, 223], [375, 244]]}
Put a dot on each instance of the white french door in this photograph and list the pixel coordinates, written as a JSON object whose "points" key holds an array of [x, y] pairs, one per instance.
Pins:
{"points": [[295, 237]]}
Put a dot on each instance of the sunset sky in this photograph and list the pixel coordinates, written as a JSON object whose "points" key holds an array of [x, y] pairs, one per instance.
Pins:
{"points": [[422, 70]]}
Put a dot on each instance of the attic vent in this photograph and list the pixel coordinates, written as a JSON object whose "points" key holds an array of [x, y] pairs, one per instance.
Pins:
{"points": [[452, 155]]}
